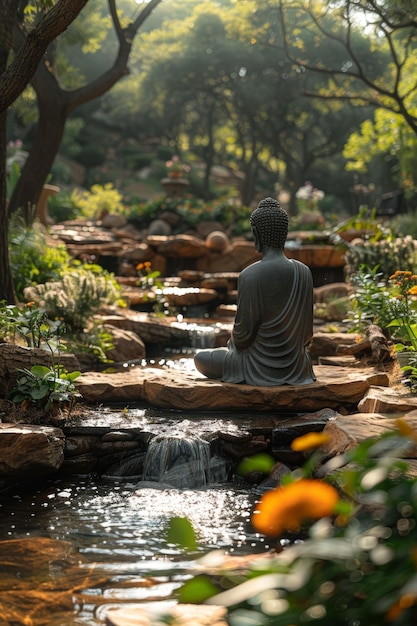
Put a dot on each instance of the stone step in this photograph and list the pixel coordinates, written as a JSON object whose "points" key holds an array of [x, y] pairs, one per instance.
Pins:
{"points": [[336, 387]]}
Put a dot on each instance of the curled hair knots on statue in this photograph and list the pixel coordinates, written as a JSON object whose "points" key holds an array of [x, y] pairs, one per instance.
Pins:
{"points": [[271, 223]]}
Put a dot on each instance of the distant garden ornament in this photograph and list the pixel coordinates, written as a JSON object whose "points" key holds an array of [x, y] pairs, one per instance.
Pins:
{"points": [[175, 182], [176, 168], [274, 318], [309, 196]]}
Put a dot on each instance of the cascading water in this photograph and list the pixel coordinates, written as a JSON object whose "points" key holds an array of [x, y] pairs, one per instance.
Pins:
{"points": [[182, 461], [202, 336]]}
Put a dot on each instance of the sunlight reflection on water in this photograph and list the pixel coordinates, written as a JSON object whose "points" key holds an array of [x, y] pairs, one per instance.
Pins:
{"points": [[124, 531]]}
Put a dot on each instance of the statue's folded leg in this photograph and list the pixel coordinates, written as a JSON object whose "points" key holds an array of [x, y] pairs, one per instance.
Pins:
{"points": [[210, 363]]}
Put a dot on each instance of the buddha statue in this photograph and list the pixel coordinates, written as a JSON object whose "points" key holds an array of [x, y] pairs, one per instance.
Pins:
{"points": [[274, 317]]}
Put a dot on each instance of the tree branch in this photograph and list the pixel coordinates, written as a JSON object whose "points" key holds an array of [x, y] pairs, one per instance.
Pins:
{"points": [[375, 93], [125, 36], [19, 73]]}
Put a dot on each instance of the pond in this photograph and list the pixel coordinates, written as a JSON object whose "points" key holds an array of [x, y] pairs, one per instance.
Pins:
{"points": [[72, 548], [118, 539]]}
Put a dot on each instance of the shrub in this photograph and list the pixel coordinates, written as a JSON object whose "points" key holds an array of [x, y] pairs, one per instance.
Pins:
{"points": [[77, 296], [193, 210], [61, 207], [386, 254], [91, 156], [32, 260], [45, 387], [101, 199]]}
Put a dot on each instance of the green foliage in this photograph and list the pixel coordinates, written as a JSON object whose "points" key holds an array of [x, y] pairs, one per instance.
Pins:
{"points": [[41, 386], [100, 175], [30, 323], [91, 156], [402, 308], [369, 299], [77, 296], [389, 303], [11, 180], [101, 199], [64, 291], [410, 372], [164, 152], [213, 100], [387, 134], [70, 145], [153, 288], [259, 463], [365, 222], [405, 224], [61, 207], [181, 533], [44, 386], [358, 567], [197, 590], [191, 211], [95, 340], [134, 159], [32, 260], [387, 254], [60, 175]]}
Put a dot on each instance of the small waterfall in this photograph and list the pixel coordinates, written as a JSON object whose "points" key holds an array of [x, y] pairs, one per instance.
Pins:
{"points": [[182, 461], [202, 336]]}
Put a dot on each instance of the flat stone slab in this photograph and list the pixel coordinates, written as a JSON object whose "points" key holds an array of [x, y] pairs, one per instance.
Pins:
{"points": [[189, 391]]}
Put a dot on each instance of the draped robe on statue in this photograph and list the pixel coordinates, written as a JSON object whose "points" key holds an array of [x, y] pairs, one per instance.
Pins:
{"points": [[273, 325]]}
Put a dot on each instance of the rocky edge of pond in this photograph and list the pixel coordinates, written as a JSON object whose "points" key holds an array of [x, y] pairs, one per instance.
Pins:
{"points": [[352, 399]]}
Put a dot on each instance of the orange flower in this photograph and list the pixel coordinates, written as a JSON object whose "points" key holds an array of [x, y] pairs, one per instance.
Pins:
{"points": [[284, 508], [308, 441], [405, 602], [413, 291]]}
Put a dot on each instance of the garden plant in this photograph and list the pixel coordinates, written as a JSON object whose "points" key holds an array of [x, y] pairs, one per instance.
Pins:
{"points": [[350, 527]]}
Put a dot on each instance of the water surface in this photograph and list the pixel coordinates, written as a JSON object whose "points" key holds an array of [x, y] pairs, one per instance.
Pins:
{"points": [[118, 538]]}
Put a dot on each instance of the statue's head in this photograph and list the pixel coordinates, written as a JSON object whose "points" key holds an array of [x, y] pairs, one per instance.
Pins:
{"points": [[269, 223]]}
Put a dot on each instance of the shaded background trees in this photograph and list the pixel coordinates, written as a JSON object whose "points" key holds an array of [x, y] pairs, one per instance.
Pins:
{"points": [[276, 93], [375, 66]]}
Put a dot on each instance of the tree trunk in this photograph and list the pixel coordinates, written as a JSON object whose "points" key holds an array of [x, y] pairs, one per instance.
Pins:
{"points": [[53, 113], [248, 187], [6, 284], [8, 14]]}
